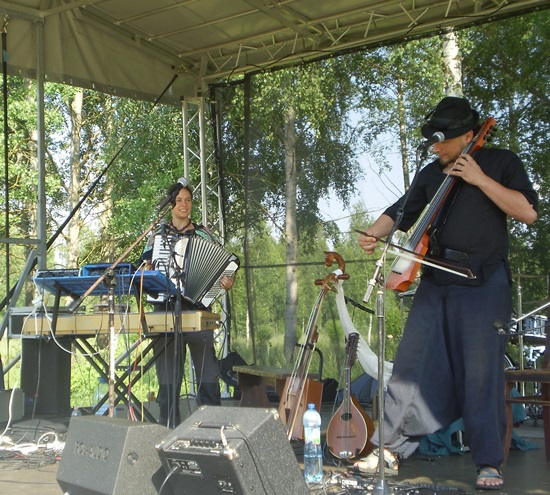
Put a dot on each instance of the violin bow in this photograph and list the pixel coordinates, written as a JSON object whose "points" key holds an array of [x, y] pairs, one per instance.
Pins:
{"points": [[425, 260]]}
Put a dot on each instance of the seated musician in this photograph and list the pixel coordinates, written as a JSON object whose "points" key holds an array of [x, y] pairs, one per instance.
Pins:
{"points": [[170, 349]]}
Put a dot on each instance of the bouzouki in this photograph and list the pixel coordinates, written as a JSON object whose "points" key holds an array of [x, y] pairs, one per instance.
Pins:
{"points": [[299, 389], [350, 429], [404, 269]]}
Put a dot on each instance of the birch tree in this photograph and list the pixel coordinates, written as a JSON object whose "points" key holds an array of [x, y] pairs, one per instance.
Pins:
{"points": [[302, 149]]}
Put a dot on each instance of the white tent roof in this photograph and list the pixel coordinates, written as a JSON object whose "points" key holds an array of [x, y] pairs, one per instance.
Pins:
{"points": [[135, 47]]}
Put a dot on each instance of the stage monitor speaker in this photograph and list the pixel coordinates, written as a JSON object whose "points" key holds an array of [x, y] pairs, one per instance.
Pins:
{"points": [[234, 451], [46, 376], [112, 456]]}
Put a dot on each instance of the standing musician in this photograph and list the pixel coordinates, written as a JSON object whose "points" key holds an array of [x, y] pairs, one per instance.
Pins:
{"points": [[170, 365], [449, 363]]}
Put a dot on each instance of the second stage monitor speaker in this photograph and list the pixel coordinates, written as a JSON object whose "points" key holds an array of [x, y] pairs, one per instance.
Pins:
{"points": [[233, 451]]}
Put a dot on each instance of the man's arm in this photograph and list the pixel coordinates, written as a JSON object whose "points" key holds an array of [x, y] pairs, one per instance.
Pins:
{"points": [[511, 202], [380, 228]]}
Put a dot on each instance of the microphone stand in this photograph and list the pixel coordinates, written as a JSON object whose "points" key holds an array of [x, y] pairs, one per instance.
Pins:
{"points": [[173, 398], [381, 487], [504, 329], [111, 282]]}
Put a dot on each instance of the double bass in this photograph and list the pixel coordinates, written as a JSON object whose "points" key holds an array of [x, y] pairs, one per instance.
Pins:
{"points": [[300, 389], [404, 270]]}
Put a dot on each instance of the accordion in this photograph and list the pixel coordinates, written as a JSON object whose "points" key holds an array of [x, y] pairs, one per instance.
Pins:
{"points": [[195, 265]]}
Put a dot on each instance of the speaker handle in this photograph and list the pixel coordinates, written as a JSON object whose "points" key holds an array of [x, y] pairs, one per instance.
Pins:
{"points": [[216, 426]]}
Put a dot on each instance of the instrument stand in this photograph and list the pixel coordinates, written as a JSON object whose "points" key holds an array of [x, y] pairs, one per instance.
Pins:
{"points": [[381, 486], [172, 404], [110, 281], [175, 270]]}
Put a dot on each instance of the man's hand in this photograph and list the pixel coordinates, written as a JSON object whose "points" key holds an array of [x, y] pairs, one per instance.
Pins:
{"points": [[368, 242]]}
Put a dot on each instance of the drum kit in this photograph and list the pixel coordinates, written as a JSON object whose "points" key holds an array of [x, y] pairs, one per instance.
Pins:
{"points": [[528, 330], [532, 342], [530, 334], [534, 331]]}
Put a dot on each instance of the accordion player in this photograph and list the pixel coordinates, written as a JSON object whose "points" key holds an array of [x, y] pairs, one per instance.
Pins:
{"points": [[194, 263]]}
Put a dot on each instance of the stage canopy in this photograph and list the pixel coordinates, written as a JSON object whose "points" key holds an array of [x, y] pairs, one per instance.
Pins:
{"points": [[135, 47]]}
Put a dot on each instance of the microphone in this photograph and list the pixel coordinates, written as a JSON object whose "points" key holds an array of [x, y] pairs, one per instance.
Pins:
{"points": [[373, 281], [436, 138], [171, 196]]}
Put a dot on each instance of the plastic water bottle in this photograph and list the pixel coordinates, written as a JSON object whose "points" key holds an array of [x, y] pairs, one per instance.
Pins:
{"points": [[76, 411], [313, 455], [101, 390]]}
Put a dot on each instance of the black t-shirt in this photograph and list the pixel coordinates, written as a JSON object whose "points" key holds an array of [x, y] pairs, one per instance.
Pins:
{"points": [[469, 221]]}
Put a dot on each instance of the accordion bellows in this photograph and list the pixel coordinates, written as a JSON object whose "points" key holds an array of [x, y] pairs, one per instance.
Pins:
{"points": [[195, 266], [203, 263]]}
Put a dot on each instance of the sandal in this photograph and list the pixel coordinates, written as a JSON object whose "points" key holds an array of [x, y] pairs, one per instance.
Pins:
{"points": [[369, 465], [489, 473]]}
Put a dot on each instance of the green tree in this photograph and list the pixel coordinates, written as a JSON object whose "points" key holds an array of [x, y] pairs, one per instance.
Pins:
{"points": [[397, 84], [300, 149], [512, 84]]}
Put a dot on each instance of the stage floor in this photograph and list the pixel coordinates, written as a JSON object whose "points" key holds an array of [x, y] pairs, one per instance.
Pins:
{"points": [[527, 472]]}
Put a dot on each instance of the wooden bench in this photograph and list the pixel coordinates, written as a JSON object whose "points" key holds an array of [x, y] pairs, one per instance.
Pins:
{"points": [[254, 380]]}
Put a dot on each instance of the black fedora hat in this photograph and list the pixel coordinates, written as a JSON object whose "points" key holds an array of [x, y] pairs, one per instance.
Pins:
{"points": [[452, 116]]}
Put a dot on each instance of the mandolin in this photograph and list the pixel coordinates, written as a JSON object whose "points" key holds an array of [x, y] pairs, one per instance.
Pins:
{"points": [[404, 270], [350, 429]]}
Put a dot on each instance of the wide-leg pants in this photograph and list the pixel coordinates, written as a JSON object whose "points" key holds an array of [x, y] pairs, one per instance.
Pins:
{"points": [[170, 363], [450, 364]]}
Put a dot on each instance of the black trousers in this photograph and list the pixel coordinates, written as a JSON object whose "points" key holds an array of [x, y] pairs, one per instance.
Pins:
{"points": [[170, 356], [450, 364]]}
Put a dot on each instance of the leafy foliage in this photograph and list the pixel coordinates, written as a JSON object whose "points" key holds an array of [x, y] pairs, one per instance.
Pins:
{"points": [[512, 84], [371, 102], [254, 152]]}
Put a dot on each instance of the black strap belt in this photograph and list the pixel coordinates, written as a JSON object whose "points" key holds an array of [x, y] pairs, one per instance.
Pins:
{"points": [[449, 254]]}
